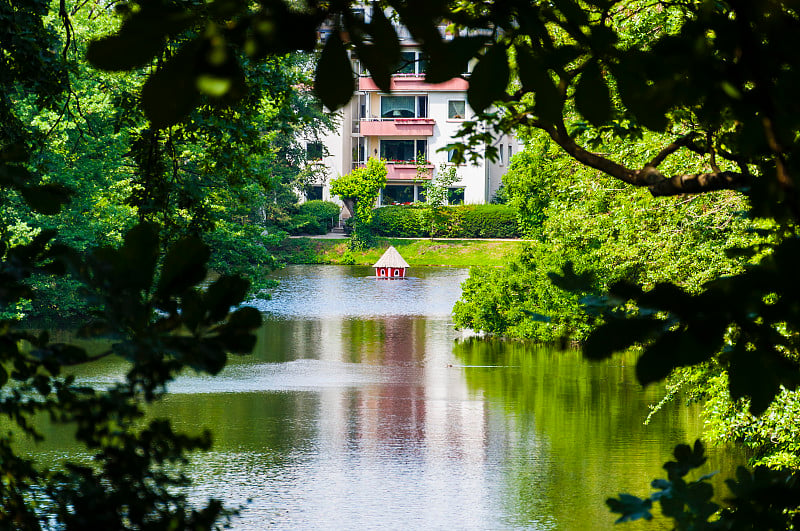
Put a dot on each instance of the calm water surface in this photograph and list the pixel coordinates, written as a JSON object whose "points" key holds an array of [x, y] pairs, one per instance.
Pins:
{"points": [[363, 408]]}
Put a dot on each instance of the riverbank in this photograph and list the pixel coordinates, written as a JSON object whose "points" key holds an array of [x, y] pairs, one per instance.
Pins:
{"points": [[417, 252]]}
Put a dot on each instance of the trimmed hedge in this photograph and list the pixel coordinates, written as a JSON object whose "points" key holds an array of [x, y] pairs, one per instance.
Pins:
{"points": [[398, 221], [462, 221]]}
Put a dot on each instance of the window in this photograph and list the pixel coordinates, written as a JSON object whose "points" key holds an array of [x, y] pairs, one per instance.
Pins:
{"points": [[456, 109], [509, 154], [404, 106], [360, 152], [412, 63], [422, 106], [398, 107], [404, 150], [398, 194], [313, 193], [398, 150], [451, 153], [500, 154], [455, 196], [314, 151], [422, 150]]}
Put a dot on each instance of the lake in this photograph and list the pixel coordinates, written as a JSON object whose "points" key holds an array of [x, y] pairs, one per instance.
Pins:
{"points": [[363, 408]]}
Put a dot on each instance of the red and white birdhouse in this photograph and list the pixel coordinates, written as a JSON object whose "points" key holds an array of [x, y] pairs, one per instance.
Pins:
{"points": [[391, 265]]}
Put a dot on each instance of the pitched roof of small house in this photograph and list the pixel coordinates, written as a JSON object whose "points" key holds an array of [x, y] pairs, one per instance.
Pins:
{"points": [[391, 258]]}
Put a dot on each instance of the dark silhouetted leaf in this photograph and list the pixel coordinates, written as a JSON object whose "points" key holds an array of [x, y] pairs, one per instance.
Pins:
{"points": [[534, 78], [592, 97], [140, 39], [451, 59], [170, 94], [225, 292], [759, 374], [619, 334], [184, 266], [46, 198], [334, 83], [15, 152], [630, 507], [376, 63], [140, 254], [489, 79], [384, 36]]}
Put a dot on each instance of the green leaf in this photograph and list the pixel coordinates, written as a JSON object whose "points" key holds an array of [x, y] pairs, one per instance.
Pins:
{"points": [[335, 82], [592, 97], [489, 78]]}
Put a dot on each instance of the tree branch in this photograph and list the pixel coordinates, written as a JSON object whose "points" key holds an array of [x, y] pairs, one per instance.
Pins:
{"points": [[683, 141], [649, 176]]}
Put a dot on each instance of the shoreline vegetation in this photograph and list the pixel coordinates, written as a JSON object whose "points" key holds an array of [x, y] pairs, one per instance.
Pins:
{"points": [[417, 252]]}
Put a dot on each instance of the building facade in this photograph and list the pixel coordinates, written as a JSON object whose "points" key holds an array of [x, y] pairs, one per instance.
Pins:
{"points": [[407, 127]]}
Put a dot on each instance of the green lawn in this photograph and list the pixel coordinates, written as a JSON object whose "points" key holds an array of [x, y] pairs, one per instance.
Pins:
{"points": [[458, 253]]}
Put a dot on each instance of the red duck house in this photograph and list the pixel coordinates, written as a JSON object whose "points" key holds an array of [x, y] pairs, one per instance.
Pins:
{"points": [[391, 265]]}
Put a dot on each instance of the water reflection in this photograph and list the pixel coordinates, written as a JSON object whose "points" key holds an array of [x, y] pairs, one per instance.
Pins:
{"points": [[359, 409]]}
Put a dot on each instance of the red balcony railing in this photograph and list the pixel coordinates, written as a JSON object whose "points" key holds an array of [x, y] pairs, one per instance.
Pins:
{"points": [[415, 83], [407, 171], [397, 127]]}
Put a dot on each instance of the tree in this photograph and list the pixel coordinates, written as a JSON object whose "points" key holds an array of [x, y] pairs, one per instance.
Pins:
{"points": [[359, 190]]}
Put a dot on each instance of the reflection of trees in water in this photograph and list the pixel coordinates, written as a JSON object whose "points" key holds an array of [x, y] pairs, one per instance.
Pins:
{"points": [[588, 419]]}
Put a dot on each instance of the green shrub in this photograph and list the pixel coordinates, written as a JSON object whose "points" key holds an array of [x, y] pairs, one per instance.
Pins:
{"points": [[462, 221], [313, 217], [397, 221], [304, 224], [489, 221], [326, 213]]}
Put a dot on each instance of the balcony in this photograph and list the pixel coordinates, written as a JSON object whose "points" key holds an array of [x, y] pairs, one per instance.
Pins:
{"points": [[414, 83], [406, 171], [397, 127]]}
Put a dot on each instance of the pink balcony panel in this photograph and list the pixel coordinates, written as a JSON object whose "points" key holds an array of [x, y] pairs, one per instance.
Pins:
{"points": [[398, 127], [414, 83], [406, 171]]}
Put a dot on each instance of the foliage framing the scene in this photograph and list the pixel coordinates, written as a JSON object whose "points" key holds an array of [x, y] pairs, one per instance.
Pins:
{"points": [[717, 79]]}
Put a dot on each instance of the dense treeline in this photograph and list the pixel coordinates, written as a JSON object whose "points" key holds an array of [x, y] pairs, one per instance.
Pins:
{"points": [[227, 175], [110, 222], [605, 231], [607, 234]]}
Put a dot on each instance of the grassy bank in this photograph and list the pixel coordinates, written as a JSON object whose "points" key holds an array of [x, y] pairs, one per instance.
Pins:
{"points": [[458, 253]]}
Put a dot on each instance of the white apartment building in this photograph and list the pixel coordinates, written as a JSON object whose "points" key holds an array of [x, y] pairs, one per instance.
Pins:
{"points": [[409, 124]]}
